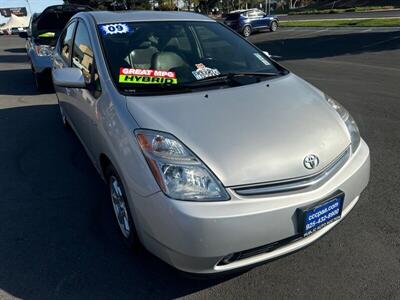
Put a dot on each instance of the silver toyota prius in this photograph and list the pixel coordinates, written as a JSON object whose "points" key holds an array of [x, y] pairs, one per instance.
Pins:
{"points": [[216, 157]]}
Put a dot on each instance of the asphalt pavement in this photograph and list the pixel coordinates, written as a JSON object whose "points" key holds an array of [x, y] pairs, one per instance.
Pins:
{"points": [[346, 15], [58, 238]]}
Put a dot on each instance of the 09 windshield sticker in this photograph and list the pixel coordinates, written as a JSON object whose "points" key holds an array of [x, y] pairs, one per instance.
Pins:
{"points": [[203, 72], [262, 59], [146, 76], [117, 28]]}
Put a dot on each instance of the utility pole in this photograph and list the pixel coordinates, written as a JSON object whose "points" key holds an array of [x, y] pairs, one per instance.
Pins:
{"points": [[29, 7], [267, 8]]}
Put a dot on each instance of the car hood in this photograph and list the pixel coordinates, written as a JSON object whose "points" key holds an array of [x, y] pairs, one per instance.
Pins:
{"points": [[53, 19], [250, 134]]}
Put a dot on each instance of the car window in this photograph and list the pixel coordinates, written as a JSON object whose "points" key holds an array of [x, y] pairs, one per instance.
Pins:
{"points": [[143, 56], [83, 58], [260, 13], [217, 48], [252, 14], [66, 44]]}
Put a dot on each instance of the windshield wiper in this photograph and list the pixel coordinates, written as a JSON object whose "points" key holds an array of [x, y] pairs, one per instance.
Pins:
{"points": [[230, 77]]}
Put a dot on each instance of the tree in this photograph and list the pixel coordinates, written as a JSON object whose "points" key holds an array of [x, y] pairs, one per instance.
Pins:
{"points": [[102, 4]]}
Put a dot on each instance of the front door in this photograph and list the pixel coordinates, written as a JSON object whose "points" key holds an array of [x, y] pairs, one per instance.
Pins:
{"points": [[79, 104], [83, 106]]}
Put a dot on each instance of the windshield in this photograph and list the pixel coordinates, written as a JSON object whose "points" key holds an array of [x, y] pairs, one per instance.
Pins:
{"points": [[151, 56]]}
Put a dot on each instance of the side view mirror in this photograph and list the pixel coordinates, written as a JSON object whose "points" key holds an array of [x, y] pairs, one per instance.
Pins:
{"points": [[23, 35], [267, 53], [69, 77]]}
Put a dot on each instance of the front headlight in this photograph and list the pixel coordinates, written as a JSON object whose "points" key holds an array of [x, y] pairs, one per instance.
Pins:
{"points": [[44, 50], [349, 121], [178, 172]]}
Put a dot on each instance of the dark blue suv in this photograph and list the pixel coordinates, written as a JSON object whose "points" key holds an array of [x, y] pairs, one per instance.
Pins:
{"points": [[247, 21]]}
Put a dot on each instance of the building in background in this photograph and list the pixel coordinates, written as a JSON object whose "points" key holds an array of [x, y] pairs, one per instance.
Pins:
{"points": [[16, 11], [15, 24]]}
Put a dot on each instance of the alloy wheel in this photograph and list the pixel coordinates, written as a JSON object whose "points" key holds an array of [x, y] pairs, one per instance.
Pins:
{"points": [[120, 208], [246, 31], [274, 26]]}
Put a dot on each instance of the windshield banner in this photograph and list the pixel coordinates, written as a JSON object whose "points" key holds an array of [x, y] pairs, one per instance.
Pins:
{"points": [[146, 76]]}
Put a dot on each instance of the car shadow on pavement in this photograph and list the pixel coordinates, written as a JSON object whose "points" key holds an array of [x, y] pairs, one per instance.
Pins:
{"points": [[57, 230], [17, 82], [13, 59], [330, 45], [15, 50]]}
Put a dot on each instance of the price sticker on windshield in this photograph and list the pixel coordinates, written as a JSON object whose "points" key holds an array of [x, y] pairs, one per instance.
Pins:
{"points": [[203, 72], [114, 28]]}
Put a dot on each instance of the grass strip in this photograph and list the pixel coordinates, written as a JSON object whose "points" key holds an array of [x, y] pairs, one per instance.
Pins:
{"points": [[390, 22], [339, 10]]}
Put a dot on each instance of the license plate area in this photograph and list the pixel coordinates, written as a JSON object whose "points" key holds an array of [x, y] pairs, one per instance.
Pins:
{"points": [[317, 216]]}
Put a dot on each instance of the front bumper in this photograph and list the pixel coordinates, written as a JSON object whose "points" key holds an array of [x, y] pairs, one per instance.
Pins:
{"points": [[41, 64], [195, 236]]}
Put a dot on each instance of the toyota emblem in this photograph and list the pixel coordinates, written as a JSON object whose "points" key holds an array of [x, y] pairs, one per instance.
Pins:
{"points": [[311, 161]]}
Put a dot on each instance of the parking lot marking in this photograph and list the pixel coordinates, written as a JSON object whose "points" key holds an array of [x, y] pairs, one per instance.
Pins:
{"points": [[381, 42]]}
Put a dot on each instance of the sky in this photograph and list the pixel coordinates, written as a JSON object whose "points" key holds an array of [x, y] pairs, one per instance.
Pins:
{"points": [[36, 5]]}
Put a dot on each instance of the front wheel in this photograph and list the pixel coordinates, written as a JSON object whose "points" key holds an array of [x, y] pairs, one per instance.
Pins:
{"points": [[121, 208], [41, 82], [274, 26], [246, 31]]}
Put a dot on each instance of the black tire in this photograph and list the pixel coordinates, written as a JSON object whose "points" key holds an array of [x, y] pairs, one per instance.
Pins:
{"points": [[40, 80], [131, 239], [40, 83], [274, 26], [246, 31]]}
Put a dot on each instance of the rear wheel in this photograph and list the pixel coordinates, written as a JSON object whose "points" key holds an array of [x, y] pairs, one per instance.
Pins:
{"points": [[274, 26], [121, 208], [246, 31]]}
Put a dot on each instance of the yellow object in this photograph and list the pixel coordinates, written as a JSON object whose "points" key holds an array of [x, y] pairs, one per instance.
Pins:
{"points": [[47, 35], [146, 79]]}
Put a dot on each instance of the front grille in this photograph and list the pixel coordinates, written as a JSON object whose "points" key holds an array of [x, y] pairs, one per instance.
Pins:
{"points": [[256, 251], [302, 183]]}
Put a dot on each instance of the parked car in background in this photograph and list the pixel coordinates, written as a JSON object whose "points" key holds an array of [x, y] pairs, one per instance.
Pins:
{"points": [[248, 21], [211, 158], [18, 30], [42, 34]]}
